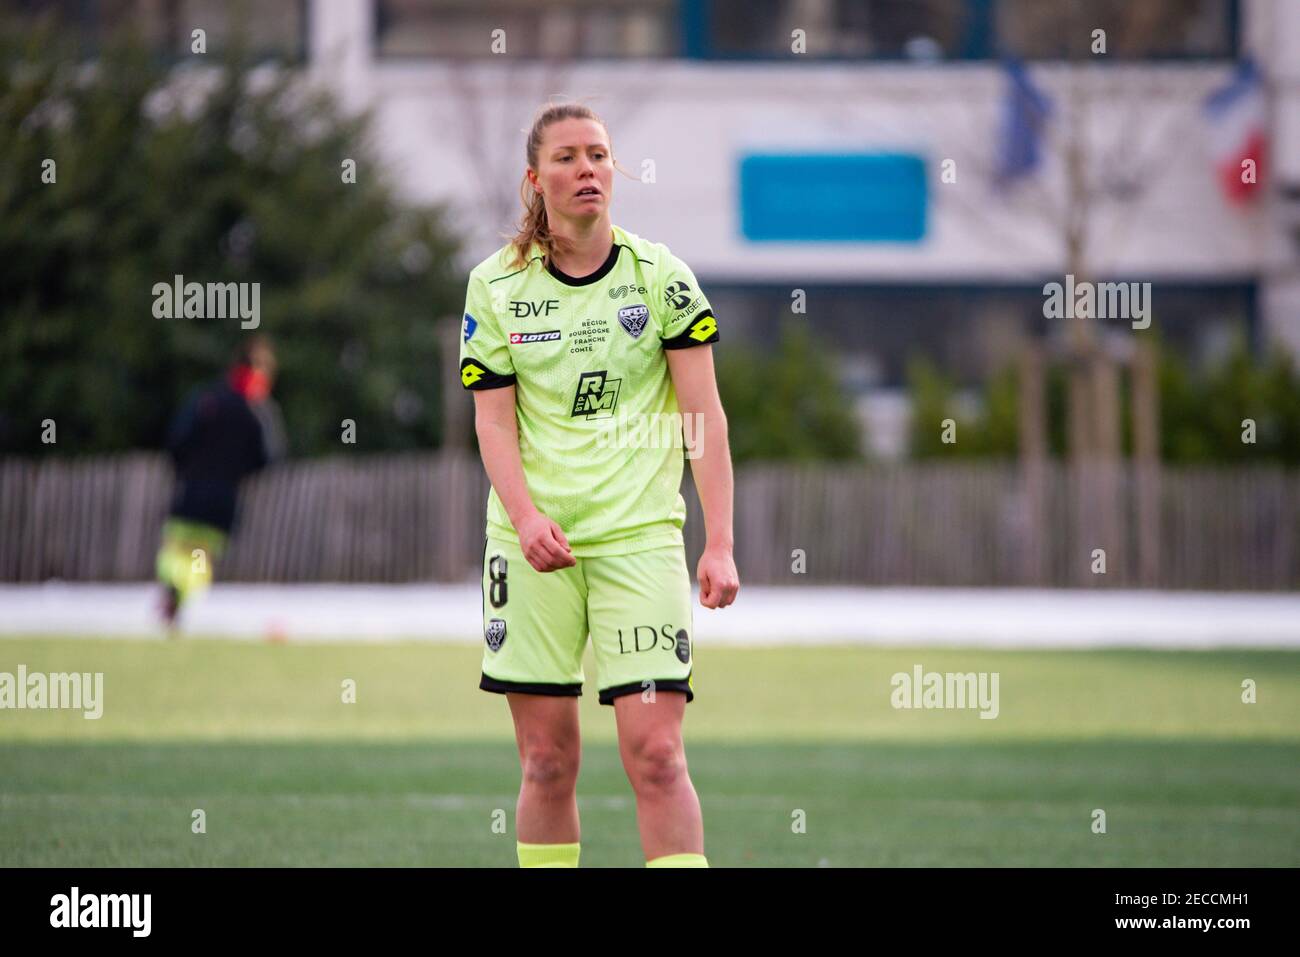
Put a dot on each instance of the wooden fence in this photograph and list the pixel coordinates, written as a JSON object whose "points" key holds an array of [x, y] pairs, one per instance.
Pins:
{"points": [[419, 517]]}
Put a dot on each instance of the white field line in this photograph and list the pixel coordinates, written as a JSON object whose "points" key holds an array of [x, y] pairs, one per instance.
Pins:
{"points": [[808, 615]]}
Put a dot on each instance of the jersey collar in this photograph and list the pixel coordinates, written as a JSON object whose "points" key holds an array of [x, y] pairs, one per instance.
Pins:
{"points": [[605, 268]]}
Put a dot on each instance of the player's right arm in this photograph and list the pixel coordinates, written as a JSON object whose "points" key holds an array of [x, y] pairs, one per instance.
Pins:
{"points": [[487, 371], [495, 423]]}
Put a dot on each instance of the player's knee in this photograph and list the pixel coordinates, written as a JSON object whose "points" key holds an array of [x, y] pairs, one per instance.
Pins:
{"points": [[550, 767], [657, 764]]}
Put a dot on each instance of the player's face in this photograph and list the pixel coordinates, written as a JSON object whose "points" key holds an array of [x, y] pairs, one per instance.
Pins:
{"points": [[575, 169]]}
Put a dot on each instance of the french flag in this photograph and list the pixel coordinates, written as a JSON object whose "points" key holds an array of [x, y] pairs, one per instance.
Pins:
{"points": [[1237, 114]]}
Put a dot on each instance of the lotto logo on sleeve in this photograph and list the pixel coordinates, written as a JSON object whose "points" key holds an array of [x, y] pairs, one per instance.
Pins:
{"points": [[474, 375], [703, 327], [523, 338], [470, 373]]}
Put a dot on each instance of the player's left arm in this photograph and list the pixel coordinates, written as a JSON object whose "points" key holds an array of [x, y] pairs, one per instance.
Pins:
{"points": [[704, 426]]}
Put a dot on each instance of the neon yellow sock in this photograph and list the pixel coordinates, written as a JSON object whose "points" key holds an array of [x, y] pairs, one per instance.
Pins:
{"points": [[548, 855], [679, 860]]}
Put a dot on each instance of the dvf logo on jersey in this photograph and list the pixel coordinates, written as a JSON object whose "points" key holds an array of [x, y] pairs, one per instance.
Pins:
{"points": [[526, 308], [633, 319], [597, 395]]}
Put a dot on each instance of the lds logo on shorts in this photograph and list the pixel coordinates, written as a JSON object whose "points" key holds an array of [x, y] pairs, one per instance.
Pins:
{"points": [[495, 634], [646, 638], [633, 319]]}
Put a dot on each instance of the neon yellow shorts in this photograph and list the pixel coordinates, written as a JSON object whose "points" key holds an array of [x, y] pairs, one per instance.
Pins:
{"points": [[187, 555], [636, 609]]}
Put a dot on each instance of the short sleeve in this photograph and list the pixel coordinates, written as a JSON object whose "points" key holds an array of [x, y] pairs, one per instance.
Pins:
{"points": [[484, 356], [686, 318]]}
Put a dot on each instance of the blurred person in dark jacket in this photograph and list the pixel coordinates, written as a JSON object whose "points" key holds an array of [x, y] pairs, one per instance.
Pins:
{"points": [[223, 433]]}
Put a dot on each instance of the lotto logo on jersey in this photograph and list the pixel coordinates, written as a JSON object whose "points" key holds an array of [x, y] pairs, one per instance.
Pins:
{"points": [[597, 395], [522, 338]]}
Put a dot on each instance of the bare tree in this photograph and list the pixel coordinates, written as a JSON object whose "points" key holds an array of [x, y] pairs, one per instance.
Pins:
{"points": [[1110, 128]]}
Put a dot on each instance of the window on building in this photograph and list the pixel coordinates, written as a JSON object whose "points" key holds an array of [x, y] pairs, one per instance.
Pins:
{"points": [[1032, 29], [920, 29], [960, 29], [271, 28], [556, 29]]}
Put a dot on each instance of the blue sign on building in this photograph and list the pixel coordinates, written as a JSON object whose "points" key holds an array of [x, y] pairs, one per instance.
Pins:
{"points": [[833, 197]]}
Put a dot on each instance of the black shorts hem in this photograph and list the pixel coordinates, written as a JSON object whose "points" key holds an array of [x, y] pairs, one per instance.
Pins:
{"points": [[498, 686], [607, 695]]}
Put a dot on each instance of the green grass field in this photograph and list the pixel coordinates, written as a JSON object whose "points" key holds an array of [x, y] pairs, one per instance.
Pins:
{"points": [[258, 737]]}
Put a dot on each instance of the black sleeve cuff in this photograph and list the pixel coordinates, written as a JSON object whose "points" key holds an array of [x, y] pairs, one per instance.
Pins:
{"points": [[475, 375], [702, 331]]}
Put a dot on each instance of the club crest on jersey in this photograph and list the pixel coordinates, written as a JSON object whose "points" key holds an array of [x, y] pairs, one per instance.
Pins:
{"points": [[597, 395], [495, 635], [633, 319]]}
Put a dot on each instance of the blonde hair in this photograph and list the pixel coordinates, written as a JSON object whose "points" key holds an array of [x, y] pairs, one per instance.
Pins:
{"points": [[534, 228]]}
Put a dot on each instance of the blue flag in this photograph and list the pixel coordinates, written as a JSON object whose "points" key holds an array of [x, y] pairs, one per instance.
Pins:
{"points": [[1024, 116]]}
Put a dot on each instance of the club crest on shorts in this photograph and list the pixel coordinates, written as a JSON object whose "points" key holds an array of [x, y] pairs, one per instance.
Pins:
{"points": [[633, 319], [683, 646], [495, 634]]}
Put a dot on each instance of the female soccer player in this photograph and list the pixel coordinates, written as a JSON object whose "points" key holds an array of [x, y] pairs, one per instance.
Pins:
{"points": [[586, 347], [222, 434]]}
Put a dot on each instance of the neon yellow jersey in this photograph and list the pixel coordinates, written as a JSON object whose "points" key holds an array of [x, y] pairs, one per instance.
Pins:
{"points": [[600, 433]]}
